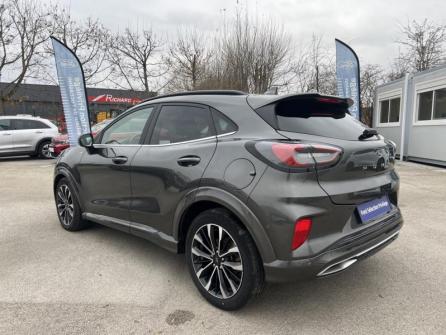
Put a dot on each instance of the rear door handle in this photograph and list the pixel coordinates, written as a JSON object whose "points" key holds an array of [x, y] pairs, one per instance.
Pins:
{"points": [[7, 134], [119, 159], [39, 132], [188, 160]]}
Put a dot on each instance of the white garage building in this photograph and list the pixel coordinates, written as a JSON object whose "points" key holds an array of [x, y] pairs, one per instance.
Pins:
{"points": [[411, 112]]}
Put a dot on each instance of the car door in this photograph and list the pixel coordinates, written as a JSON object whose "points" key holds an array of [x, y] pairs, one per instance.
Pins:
{"points": [[6, 144], [27, 133], [105, 171], [171, 164]]}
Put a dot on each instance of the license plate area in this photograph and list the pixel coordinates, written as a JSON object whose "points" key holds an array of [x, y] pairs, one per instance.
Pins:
{"points": [[374, 209]]}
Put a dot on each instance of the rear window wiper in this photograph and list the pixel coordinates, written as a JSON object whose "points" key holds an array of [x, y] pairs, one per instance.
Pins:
{"points": [[367, 133]]}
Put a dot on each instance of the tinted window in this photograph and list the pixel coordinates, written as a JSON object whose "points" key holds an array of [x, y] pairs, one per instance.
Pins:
{"points": [[5, 124], [127, 130], [223, 125], [317, 118], [20, 124], [182, 123]]}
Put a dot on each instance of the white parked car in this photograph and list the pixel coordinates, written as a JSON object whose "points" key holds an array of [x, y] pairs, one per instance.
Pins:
{"points": [[26, 135]]}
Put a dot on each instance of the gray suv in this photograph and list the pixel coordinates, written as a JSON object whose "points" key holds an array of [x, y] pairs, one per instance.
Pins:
{"points": [[26, 135], [252, 188]]}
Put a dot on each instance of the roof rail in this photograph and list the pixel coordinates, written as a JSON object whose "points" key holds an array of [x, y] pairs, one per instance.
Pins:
{"points": [[26, 115], [198, 92]]}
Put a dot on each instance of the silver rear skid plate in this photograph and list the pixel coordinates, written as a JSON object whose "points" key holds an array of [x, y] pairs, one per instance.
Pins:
{"points": [[344, 264]]}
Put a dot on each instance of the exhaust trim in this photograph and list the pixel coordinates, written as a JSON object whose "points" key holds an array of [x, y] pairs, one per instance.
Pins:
{"points": [[345, 263]]}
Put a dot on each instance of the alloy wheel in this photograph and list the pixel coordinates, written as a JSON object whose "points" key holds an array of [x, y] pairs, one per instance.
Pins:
{"points": [[217, 261], [46, 151], [65, 205]]}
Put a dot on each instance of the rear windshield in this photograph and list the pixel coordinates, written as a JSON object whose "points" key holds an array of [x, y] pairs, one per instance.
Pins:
{"points": [[316, 118]]}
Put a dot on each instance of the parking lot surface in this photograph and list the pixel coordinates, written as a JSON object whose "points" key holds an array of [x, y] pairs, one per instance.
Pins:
{"points": [[101, 281]]}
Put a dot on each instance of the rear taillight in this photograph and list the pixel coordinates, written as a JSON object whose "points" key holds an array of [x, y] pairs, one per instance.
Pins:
{"points": [[300, 156], [302, 229]]}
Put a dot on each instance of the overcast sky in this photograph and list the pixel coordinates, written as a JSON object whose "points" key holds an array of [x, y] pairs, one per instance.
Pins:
{"points": [[370, 27]]}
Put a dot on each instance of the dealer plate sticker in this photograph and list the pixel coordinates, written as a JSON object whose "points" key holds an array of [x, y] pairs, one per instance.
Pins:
{"points": [[373, 209]]}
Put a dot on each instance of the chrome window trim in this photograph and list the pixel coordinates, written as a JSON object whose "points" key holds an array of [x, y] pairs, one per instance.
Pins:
{"points": [[227, 134], [100, 145]]}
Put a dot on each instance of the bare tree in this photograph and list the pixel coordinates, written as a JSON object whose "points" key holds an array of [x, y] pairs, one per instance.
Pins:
{"points": [[313, 67], [25, 28], [8, 54], [237, 50], [136, 61], [423, 45], [299, 74], [398, 68], [251, 56], [89, 40], [269, 55], [372, 75], [216, 75], [187, 59]]}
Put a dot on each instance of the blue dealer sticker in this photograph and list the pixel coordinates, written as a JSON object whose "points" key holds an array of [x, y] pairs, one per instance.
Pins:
{"points": [[374, 209]]}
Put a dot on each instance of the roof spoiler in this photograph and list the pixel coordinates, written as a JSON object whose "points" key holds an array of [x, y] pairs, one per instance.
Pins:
{"points": [[261, 101]]}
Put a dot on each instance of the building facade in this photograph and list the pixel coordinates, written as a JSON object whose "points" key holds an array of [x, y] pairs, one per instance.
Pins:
{"points": [[45, 101], [411, 111]]}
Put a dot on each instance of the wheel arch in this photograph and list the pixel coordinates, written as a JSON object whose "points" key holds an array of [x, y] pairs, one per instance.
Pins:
{"points": [[63, 172], [209, 197], [44, 139]]}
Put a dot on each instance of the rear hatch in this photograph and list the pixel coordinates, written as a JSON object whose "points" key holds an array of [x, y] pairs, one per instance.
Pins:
{"points": [[365, 170]]}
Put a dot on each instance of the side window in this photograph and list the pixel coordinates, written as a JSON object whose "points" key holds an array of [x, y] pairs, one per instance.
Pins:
{"points": [[389, 110], [127, 130], [5, 124], [182, 123], [34, 124], [223, 125], [432, 105], [20, 124]]}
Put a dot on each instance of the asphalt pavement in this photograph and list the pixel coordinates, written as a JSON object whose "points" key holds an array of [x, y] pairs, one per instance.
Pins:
{"points": [[101, 281]]}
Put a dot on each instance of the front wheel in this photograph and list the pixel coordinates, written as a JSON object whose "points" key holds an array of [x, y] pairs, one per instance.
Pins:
{"points": [[223, 260], [68, 209]]}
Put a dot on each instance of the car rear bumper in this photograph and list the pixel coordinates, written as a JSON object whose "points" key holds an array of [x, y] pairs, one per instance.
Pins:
{"points": [[56, 149], [340, 256]]}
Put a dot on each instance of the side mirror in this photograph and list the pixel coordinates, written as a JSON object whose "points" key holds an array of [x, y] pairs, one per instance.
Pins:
{"points": [[86, 141]]}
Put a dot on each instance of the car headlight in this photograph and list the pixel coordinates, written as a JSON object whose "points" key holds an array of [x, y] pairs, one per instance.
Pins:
{"points": [[392, 148]]}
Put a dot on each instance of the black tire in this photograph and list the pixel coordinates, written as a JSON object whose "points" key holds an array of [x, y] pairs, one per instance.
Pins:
{"points": [[43, 151], [66, 198], [247, 258]]}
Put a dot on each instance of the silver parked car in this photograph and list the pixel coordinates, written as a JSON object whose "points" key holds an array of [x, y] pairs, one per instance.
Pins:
{"points": [[26, 135]]}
